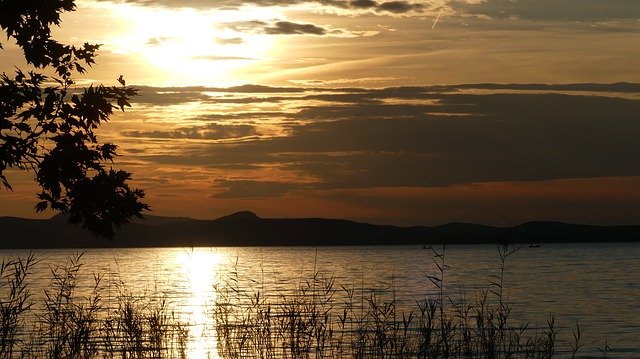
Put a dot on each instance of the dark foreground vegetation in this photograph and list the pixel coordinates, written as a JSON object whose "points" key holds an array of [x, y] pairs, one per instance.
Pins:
{"points": [[318, 319], [65, 324]]}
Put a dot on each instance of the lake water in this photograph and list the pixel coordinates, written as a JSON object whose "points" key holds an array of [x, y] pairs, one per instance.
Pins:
{"points": [[596, 285]]}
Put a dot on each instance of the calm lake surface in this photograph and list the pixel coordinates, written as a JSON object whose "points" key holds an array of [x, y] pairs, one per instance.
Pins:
{"points": [[596, 285]]}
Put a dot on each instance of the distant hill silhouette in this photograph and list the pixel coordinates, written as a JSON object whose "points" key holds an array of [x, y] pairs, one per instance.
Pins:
{"points": [[248, 229]]}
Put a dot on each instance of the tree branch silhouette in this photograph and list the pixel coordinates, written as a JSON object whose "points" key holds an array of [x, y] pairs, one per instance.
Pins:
{"points": [[47, 128]]}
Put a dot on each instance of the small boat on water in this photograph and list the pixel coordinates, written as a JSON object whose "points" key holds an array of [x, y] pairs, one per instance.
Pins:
{"points": [[534, 245]]}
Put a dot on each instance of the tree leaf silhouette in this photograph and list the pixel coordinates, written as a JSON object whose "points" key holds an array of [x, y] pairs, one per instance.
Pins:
{"points": [[47, 130]]}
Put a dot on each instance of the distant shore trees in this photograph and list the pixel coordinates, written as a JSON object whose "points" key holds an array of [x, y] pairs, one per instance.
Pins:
{"points": [[47, 126]]}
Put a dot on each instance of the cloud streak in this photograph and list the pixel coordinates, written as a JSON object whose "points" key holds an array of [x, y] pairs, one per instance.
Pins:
{"points": [[292, 28], [285, 28], [208, 132], [572, 10], [395, 7]]}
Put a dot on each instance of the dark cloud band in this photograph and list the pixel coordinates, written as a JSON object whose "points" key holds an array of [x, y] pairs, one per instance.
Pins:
{"points": [[397, 7], [430, 136], [574, 10]]}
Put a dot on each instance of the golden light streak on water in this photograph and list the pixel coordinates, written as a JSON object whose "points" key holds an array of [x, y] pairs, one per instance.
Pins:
{"points": [[200, 267]]}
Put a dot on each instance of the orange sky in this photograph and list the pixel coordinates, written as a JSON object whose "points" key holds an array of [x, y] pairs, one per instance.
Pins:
{"points": [[355, 108]]}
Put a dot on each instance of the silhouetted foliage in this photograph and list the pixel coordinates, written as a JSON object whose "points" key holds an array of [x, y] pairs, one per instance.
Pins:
{"points": [[49, 128]]}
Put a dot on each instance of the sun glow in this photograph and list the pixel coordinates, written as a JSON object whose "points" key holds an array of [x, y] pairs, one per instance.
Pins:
{"points": [[188, 46]]}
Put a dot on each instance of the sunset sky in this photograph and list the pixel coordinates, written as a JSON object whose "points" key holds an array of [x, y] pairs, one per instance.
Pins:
{"points": [[399, 112]]}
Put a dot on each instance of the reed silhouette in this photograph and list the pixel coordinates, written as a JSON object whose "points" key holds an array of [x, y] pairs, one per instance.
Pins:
{"points": [[311, 322], [318, 318]]}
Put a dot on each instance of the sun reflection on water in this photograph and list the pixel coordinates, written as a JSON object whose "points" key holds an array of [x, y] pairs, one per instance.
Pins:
{"points": [[200, 267]]}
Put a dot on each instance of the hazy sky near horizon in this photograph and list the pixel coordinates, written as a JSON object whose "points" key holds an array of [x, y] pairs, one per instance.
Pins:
{"points": [[359, 109]]}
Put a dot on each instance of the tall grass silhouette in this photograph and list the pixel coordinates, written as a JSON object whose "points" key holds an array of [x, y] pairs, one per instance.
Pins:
{"points": [[317, 318], [65, 324], [311, 322]]}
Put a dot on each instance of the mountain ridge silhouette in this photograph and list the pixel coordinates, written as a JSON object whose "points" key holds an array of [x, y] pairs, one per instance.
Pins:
{"points": [[246, 228]]}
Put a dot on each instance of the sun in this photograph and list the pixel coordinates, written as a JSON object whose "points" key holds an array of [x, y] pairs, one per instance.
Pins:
{"points": [[188, 46]]}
